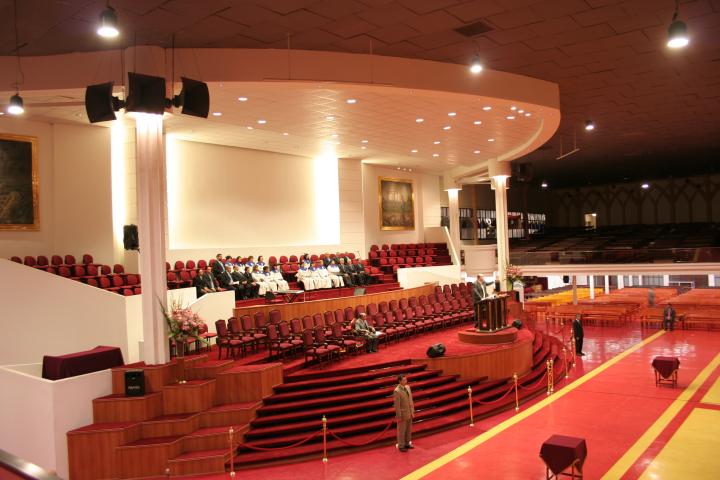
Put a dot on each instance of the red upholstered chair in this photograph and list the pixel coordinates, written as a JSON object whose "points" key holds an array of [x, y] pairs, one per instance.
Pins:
{"points": [[421, 252], [272, 260], [286, 334], [167, 266], [186, 277], [283, 259], [313, 351], [132, 280], [93, 282], [16, 259], [374, 248], [56, 260], [51, 270], [359, 309], [446, 289], [431, 252], [237, 333], [372, 309], [385, 246], [339, 338], [42, 261], [276, 343], [87, 259], [117, 282], [70, 260], [118, 269], [193, 274], [293, 258], [190, 265], [202, 264], [307, 322], [64, 271], [105, 270], [318, 320], [394, 304], [78, 272], [275, 317], [349, 314], [320, 339], [419, 261], [30, 261], [250, 330], [104, 282], [179, 265], [224, 341], [172, 280]]}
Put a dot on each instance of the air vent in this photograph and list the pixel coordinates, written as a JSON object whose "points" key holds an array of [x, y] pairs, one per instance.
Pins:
{"points": [[474, 29]]}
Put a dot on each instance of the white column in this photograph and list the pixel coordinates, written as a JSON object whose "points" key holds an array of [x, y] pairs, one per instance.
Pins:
{"points": [[454, 213], [621, 282], [630, 280], [591, 283], [666, 280], [499, 184], [152, 205], [711, 280], [639, 280], [574, 289], [607, 284]]}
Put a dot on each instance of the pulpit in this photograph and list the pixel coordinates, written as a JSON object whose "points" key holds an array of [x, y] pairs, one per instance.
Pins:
{"points": [[491, 313]]}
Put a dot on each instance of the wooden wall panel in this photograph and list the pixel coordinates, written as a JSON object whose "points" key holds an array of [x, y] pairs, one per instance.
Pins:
{"points": [[147, 460], [127, 409], [91, 454], [194, 396], [248, 383], [292, 310], [237, 415]]}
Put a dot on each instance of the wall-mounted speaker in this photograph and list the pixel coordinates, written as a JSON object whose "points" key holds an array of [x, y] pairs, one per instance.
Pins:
{"points": [[100, 104], [130, 237], [566, 278], [134, 383], [194, 98]]}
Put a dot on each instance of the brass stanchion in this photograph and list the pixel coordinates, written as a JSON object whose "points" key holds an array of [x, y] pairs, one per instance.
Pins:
{"points": [[324, 430], [472, 419], [573, 350], [567, 368], [231, 434], [517, 403], [562, 328], [551, 380]]}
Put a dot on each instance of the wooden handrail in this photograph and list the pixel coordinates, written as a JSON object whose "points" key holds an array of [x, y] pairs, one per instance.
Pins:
{"points": [[16, 467]]}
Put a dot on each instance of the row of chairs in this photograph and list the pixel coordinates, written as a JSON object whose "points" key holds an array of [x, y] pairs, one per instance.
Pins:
{"points": [[406, 246], [293, 260], [395, 320], [55, 260], [421, 252]]}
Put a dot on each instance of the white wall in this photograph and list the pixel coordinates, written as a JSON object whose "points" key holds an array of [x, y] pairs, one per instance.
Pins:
{"points": [[480, 259], [213, 307], [36, 414], [417, 277]]}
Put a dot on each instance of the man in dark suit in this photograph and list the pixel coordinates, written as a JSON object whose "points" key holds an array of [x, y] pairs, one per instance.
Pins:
{"points": [[218, 267], [203, 284], [251, 287], [349, 276], [480, 293], [404, 413], [210, 278], [579, 335], [227, 282], [669, 318], [239, 277], [359, 269]]}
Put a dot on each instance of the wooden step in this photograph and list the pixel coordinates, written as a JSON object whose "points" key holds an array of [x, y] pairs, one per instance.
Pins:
{"points": [[208, 369], [229, 414], [193, 396], [199, 462], [119, 408]]}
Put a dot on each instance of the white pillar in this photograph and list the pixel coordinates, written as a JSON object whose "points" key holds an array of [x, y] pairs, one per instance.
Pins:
{"points": [[621, 282], [574, 289], [499, 184], [630, 280], [607, 284], [711, 280], [454, 213], [151, 206], [666, 280], [639, 280], [591, 283]]}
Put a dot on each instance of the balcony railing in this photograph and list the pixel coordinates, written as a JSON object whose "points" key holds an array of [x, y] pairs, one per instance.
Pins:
{"points": [[644, 255]]}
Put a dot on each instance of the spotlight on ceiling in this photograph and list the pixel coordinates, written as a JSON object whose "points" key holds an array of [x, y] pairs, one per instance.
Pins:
{"points": [[677, 32], [589, 125], [544, 185], [194, 98], [146, 94], [100, 104], [645, 186], [476, 65], [16, 106], [108, 23]]}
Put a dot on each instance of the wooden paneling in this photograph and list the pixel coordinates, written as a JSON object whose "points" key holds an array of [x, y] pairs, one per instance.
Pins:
{"points": [[127, 409], [237, 415], [194, 396], [170, 428], [292, 310], [197, 466], [248, 383], [147, 460], [214, 441], [495, 364], [207, 371], [91, 454]]}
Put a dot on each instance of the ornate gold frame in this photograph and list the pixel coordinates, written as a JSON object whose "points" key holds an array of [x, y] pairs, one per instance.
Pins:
{"points": [[380, 209], [35, 185]]}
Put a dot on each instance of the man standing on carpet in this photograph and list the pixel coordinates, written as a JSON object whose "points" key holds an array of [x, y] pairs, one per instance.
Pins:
{"points": [[579, 335], [404, 413], [669, 318]]}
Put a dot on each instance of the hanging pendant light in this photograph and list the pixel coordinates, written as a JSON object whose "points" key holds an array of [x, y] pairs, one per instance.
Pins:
{"points": [[108, 23], [677, 32], [16, 106], [476, 65]]}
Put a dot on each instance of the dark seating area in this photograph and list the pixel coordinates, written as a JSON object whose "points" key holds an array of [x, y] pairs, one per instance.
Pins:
{"points": [[685, 242], [389, 258]]}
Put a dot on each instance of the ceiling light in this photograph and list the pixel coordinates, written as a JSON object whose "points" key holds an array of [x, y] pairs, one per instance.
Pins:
{"points": [[337, 143], [513, 108], [16, 105], [363, 147], [544, 185], [487, 107], [476, 152], [242, 99], [436, 142], [589, 125], [262, 122], [2, 113], [363, 141], [217, 114], [108, 23], [286, 133], [477, 122], [330, 118], [413, 150], [677, 32], [436, 154], [491, 139], [645, 186], [521, 111], [419, 120], [476, 65], [351, 101], [510, 117], [452, 114], [527, 114], [447, 127], [334, 135], [248, 127]]}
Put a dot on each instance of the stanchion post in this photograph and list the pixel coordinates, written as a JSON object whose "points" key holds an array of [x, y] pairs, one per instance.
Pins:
{"points": [[324, 429], [552, 376], [472, 419], [567, 367], [573, 350], [517, 403], [231, 435], [562, 328]]}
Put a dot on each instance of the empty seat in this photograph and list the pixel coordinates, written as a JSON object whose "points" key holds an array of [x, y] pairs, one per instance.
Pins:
{"points": [[70, 260]]}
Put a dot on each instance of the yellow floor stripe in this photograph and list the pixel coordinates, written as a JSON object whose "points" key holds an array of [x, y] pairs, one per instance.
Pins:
{"points": [[692, 452], [631, 456], [713, 395], [480, 439]]}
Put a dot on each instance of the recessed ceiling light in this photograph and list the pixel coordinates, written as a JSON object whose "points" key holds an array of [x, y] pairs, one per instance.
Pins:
{"points": [[527, 114], [419, 120], [363, 147], [544, 185], [491, 139], [452, 114], [447, 127], [436, 142], [477, 122], [286, 133], [334, 135], [513, 108], [487, 107], [436, 154], [645, 186], [351, 100], [521, 111], [262, 122], [589, 125], [476, 152], [337, 143], [363, 141], [414, 150], [249, 127], [330, 118], [217, 114], [510, 117], [242, 99]]}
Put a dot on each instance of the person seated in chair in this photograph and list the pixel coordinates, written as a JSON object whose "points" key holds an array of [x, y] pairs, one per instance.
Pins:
{"points": [[335, 275], [278, 278], [259, 279], [228, 283], [239, 277], [359, 269], [304, 276], [251, 285], [348, 273], [321, 277], [250, 262], [269, 280], [210, 278], [218, 267], [203, 284], [260, 262], [669, 318], [362, 328]]}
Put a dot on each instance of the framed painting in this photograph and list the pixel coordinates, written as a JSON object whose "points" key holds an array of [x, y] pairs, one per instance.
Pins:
{"points": [[397, 204], [18, 183]]}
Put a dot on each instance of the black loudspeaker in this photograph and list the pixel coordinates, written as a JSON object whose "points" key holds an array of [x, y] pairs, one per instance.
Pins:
{"points": [[147, 94], [566, 278], [436, 350], [100, 105], [134, 383], [130, 237], [517, 323], [194, 98]]}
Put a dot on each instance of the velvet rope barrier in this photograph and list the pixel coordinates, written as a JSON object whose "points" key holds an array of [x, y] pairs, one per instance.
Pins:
{"points": [[373, 439], [269, 449], [534, 385], [480, 402]]}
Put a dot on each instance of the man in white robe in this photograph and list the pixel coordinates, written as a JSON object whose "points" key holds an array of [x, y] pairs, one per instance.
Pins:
{"points": [[278, 278], [305, 276], [334, 274]]}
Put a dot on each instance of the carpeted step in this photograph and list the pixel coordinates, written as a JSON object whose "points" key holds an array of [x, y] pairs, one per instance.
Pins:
{"points": [[341, 377], [355, 397]]}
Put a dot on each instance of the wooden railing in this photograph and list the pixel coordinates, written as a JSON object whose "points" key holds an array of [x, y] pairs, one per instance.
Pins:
{"points": [[12, 467]]}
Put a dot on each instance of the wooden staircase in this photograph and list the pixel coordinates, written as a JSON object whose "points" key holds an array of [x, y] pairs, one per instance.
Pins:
{"points": [[180, 428]]}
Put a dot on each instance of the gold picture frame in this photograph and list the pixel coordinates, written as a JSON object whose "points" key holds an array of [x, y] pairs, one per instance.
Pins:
{"points": [[19, 204], [396, 203]]}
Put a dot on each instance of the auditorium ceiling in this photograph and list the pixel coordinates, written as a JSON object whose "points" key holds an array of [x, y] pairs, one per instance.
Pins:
{"points": [[651, 106]]}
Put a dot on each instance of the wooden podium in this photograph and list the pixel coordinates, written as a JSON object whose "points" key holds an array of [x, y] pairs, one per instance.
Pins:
{"points": [[491, 313]]}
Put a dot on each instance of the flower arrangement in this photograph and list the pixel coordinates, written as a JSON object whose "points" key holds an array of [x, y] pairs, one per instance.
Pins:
{"points": [[183, 324], [513, 274]]}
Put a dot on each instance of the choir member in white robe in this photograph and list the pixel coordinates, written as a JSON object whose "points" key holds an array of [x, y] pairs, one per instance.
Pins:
{"points": [[305, 276], [260, 263], [259, 278], [320, 275], [250, 262], [334, 274], [268, 279], [279, 280]]}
